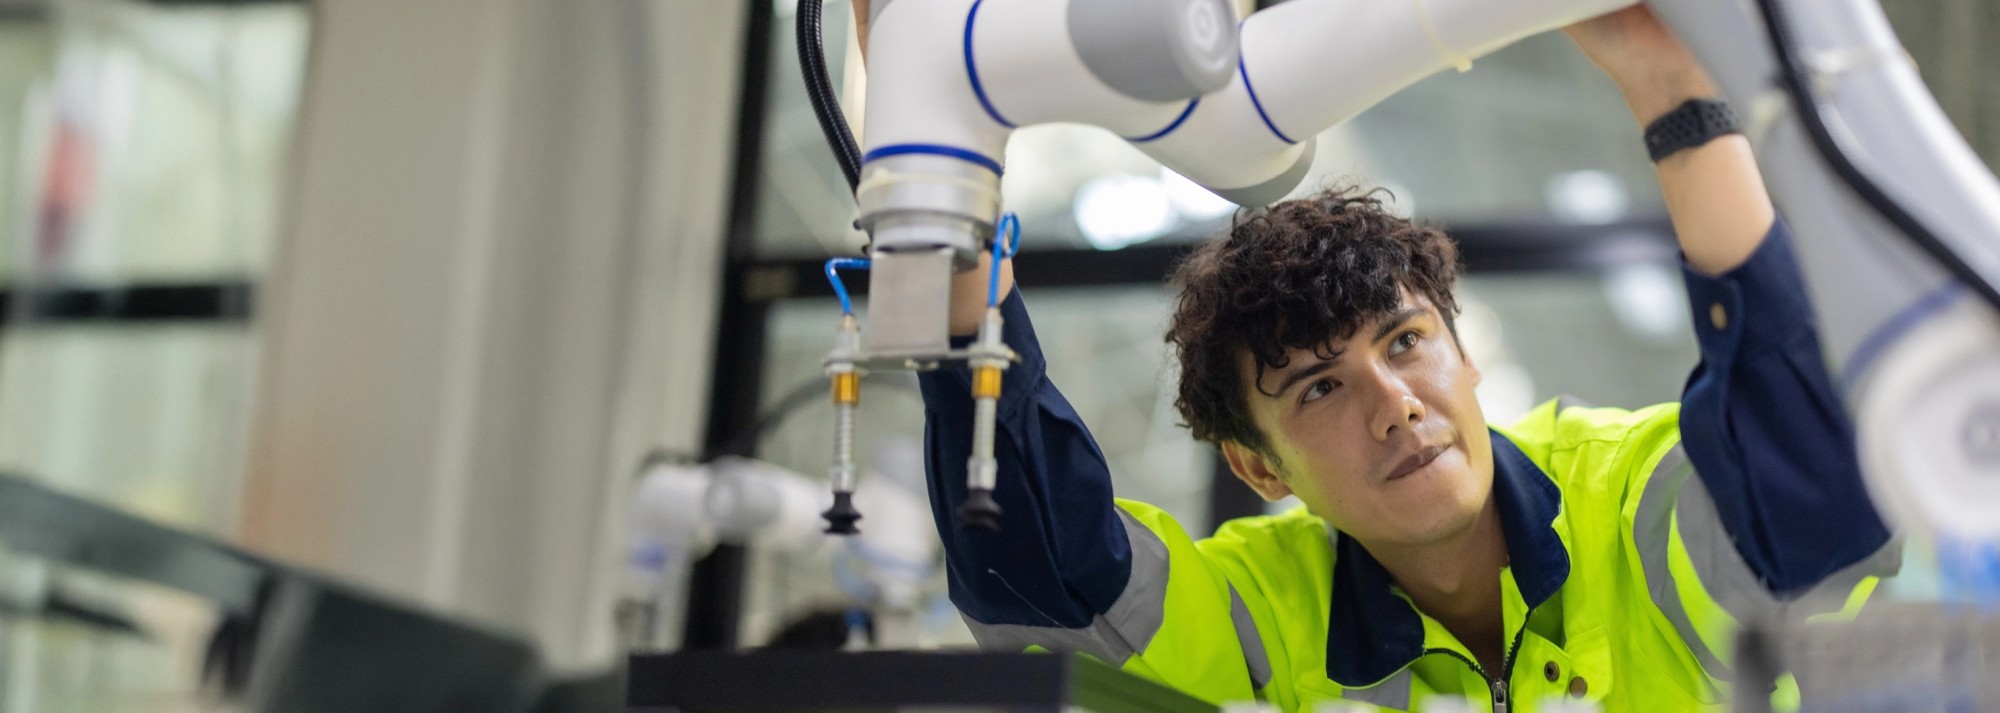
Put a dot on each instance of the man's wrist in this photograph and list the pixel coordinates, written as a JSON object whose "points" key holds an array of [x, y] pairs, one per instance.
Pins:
{"points": [[1652, 97]]}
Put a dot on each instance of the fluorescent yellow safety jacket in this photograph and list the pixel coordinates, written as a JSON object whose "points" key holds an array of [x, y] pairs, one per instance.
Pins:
{"points": [[1622, 590]]}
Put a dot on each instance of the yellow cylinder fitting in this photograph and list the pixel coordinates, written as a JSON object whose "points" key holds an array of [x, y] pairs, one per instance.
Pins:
{"points": [[986, 382], [847, 387]]}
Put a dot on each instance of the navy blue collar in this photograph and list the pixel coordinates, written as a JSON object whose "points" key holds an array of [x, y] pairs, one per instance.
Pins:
{"points": [[1371, 633]]}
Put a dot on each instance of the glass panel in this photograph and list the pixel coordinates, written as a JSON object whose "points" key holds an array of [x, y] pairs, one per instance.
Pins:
{"points": [[1533, 131], [149, 419], [146, 143]]}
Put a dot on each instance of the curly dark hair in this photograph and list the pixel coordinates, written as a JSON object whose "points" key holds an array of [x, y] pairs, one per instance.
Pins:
{"points": [[1298, 274]]}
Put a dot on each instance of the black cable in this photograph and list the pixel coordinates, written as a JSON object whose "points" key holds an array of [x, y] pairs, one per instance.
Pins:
{"points": [[819, 88], [1800, 88]]}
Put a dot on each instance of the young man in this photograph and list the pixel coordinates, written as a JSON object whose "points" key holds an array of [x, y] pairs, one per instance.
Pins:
{"points": [[1595, 553]]}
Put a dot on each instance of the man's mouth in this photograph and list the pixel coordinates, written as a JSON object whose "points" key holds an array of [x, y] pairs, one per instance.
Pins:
{"points": [[1416, 462]]}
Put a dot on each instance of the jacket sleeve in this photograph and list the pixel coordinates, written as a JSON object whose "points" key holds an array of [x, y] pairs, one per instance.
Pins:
{"points": [[1758, 513], [1765, 430], [1070, 569]]}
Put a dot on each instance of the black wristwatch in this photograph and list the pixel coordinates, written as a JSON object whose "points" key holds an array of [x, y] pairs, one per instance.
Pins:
{"points": [[1693, 123]]}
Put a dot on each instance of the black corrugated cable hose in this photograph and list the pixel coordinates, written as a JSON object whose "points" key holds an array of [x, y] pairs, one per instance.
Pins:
{"points": [[819, 89], [1792, 74]]}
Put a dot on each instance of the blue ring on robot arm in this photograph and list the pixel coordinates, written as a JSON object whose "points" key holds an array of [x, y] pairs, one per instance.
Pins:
{"points": [[1897, 326], [967, 155], [972, 70], [1178, 120], [1244, 71]]}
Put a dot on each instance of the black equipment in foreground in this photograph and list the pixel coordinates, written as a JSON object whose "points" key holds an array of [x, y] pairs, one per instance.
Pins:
{"points": [[714, 681]]}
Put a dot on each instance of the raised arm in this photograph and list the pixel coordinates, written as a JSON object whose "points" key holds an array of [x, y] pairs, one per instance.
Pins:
{"points": [[1714, 192], [1779, 503]]}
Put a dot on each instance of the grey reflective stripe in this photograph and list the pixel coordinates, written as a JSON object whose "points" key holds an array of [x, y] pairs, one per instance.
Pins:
{"points": [[1140, 609], [1831, 594], [1724, 575], [1392, 693], [1672, 494], [1730, 581], [1652, 527], [1252, 643], [1113, 636]]}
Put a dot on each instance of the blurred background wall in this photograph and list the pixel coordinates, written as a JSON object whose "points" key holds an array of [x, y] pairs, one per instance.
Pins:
{"points": [[407, 291], [398, 291], [493, 296]]}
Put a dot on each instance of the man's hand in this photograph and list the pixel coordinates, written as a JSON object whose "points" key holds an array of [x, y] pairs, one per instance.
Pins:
{"points": [[1714, 193], [1654, 70]]}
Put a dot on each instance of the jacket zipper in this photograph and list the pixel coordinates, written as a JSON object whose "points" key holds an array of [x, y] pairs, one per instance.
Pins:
{"points": [[1497, 686]]}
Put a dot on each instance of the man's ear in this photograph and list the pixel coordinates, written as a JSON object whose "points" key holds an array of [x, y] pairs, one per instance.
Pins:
{"points": [[1256, 471]]}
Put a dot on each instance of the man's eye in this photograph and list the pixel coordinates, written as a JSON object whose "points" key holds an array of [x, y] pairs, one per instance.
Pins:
{"points": [[1404, 342], [1317, 389]]}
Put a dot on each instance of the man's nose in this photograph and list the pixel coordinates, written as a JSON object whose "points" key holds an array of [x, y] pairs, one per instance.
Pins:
{"points": [[1396, 406]]}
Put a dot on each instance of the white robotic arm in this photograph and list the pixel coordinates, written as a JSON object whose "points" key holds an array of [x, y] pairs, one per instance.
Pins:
{"points": [[1233, 106], [1900, 239]]}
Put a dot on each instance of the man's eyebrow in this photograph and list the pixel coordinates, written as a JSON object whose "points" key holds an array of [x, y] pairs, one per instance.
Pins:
{"points": [[1307, 372], [1397, 320]]}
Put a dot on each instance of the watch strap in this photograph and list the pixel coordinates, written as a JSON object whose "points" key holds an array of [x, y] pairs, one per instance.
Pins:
{"points": [[1693, 123]]}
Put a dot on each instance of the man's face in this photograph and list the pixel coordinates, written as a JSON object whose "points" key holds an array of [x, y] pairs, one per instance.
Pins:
{"points": [[1384, 439]]}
